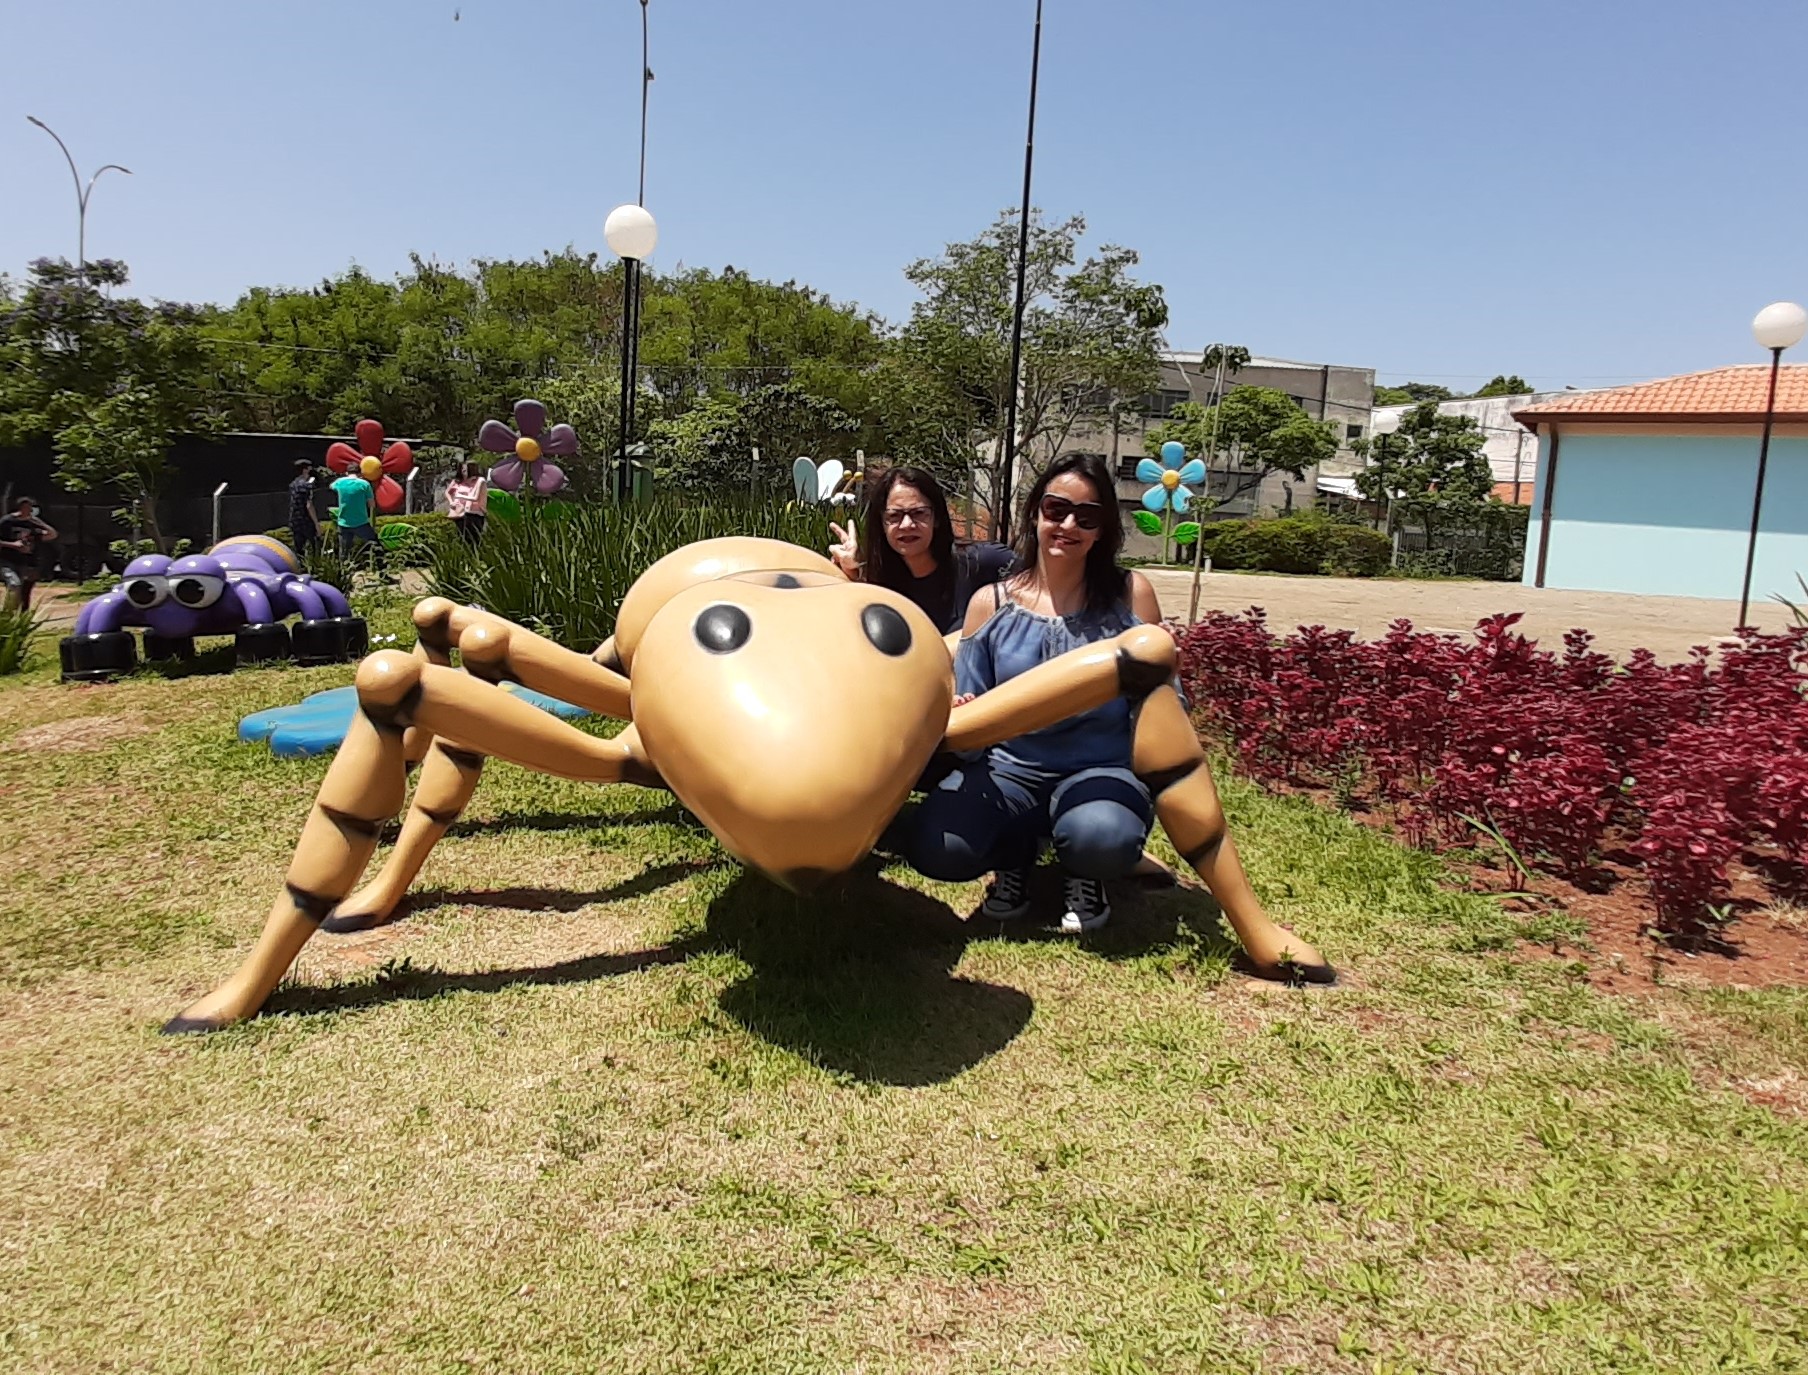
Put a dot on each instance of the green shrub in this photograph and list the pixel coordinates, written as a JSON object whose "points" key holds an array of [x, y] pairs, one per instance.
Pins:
{"points": [[17, 626], [1355, 551], [1306, 542], [565, 577], [428, 529]]}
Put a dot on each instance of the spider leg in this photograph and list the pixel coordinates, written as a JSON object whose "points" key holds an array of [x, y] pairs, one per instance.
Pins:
{"points": [[365, 787], [494, 650], [1167, 757], [1127, 665]]}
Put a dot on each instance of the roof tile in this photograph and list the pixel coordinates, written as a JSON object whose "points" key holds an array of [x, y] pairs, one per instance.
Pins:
{"points": [[1721, 396]]}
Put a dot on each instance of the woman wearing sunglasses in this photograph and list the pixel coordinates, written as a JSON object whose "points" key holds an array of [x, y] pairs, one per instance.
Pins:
{"points": [[1071, 783], [910, 548]]}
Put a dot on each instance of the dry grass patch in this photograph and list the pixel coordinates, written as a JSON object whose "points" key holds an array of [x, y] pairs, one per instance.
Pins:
{"points": [[601, 1100]]}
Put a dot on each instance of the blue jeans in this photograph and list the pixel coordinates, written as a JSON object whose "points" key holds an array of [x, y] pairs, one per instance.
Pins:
{"points": [[995, 814], [354, 537]]}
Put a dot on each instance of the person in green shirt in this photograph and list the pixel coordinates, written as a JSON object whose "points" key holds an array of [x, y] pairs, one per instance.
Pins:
{"points": [[356, 500]]}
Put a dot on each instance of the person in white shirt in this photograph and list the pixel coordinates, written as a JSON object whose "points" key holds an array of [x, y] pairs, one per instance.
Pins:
{"points": [[468, 502]]}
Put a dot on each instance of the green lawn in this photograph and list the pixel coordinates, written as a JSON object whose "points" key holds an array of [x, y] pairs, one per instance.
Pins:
{"points": [[604, 1102]]}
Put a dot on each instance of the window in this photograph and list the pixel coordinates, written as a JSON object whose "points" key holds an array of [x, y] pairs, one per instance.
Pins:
{"points": [[1159, 405], [1126, 468], [1352, 432]]}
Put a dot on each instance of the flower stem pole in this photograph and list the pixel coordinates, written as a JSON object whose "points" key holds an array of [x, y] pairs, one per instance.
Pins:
{"points": [[1210, 453]]}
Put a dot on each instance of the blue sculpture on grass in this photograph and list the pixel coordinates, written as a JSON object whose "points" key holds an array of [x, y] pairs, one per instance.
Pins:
{"points": [[317, 724]]}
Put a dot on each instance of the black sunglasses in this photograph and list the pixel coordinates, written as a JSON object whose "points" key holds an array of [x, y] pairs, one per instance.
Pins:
{"points": [[1088, 515]]}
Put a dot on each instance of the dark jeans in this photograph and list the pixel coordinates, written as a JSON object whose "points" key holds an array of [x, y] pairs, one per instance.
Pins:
{"points": [[996, 813], [470, 527], [306, 537], [354, 537]]}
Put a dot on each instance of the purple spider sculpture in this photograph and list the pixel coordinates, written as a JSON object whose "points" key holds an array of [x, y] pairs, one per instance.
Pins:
{"points": [[243, 587]]}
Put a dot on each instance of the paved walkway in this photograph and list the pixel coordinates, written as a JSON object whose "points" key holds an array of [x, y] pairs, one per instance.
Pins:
{"points": [[1668, 626]]}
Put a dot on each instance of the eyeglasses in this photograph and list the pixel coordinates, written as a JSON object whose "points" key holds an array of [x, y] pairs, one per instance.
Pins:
{"points": [[1088, 515], [916, 515]]}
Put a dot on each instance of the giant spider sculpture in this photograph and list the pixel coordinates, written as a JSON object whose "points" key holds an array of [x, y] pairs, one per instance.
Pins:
{"points": [[790, 709]]}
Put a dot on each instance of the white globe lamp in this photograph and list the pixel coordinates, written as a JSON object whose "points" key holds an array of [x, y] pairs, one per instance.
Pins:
{"points": [[631, 232], [1780, 326]]}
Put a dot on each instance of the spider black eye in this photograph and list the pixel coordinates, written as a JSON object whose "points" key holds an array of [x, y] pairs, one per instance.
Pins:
{"points": [[723, 628], [786, 581], [889, 632]]}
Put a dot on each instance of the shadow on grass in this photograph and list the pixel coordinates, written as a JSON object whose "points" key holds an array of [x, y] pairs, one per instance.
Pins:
{"points": [[857, 977], [671, 814], [402, 982]]}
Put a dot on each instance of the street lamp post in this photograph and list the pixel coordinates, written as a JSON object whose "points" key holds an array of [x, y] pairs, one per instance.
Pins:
{"points": [[81, 199], [1776, 328], [632, 235], [1002, 517]]}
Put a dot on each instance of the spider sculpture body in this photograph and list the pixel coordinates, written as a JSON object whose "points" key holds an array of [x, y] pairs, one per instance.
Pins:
{"points": [[790, 709]]}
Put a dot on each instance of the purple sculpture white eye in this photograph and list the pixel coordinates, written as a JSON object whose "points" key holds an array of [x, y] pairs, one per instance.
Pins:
{"points": [[144, 592], [197, 590]]}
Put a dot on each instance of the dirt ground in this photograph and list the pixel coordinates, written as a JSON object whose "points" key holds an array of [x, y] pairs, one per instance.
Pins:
{"points": [[1668, 626]]}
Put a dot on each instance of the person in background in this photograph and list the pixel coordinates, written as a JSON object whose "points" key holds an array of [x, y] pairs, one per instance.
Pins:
{"points": [[357, 500], [468, 502], [304, 525], [910, 548], [1072, 782], [20, 535]]}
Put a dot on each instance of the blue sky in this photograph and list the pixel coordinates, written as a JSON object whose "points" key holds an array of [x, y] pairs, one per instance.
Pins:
{"points": [[1580, 192]]}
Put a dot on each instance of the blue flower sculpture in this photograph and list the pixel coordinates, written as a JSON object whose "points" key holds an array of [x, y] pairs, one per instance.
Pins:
{"points": [[1170, 476], [1168, 494]]}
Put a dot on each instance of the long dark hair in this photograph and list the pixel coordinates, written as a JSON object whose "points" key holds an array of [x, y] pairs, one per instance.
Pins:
{"points": [[882, 565], [1106, 583]]}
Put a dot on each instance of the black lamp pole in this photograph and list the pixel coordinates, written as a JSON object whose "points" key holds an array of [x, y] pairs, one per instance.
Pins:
{"points": [[1023, 250], [1751, 544], [631, 288], [622, 484]]}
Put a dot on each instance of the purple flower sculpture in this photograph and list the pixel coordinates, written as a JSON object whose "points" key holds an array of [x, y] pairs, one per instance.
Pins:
{"points": [[526, 451]]}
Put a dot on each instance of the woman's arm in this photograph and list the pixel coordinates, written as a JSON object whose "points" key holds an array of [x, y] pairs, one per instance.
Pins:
{"points": [[1142, 600]]}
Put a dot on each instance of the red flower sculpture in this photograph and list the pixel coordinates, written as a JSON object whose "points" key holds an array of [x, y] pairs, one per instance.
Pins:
{"points": [[375, 464]]}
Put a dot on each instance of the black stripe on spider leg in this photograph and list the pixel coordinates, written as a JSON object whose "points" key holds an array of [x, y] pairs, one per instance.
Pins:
{"points": [[1205, 847], [311, 905], [1137, 679], [1158, 781], [359, 826]]}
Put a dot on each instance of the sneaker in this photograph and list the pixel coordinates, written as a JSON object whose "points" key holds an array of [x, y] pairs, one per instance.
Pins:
{"points": [[1009, 896], [1087, 909]]}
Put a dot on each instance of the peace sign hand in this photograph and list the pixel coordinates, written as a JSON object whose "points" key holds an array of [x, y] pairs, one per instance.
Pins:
{"points": [[846, 553]]}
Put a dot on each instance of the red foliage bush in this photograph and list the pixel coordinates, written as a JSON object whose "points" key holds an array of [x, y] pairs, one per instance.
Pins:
{"points": [[1691, 763]]}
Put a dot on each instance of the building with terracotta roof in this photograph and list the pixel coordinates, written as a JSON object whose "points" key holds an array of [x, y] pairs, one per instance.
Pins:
{"points": [[1649, 488]]}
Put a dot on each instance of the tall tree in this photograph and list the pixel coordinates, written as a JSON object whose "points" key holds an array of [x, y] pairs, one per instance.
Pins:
{"points": [[1260, 430], [1411, 393], [1503, 384], [1432, 468], [106, 378], [1091, 333]]}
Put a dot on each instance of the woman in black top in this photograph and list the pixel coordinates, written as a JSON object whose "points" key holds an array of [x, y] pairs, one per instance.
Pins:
{"points": [[910, 548]]}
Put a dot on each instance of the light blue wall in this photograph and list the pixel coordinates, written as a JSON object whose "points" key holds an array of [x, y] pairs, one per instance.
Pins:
{"points": [[1670, 514]]}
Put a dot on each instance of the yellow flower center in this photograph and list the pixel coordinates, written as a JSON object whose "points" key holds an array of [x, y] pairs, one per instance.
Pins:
{"points": [[1170, 479], [527, 450]]}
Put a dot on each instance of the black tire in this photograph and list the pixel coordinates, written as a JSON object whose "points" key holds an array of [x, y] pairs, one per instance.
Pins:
{"points": [[318, 642], [357, 636], [157, 647], [96, 658], [263, 643]]}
